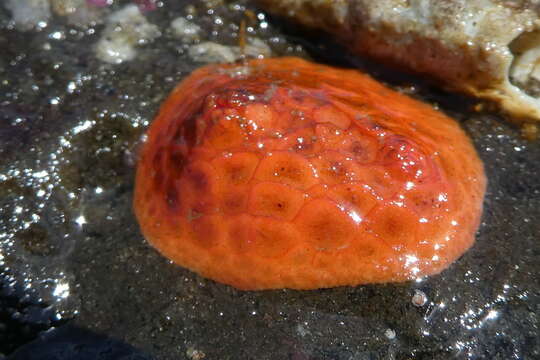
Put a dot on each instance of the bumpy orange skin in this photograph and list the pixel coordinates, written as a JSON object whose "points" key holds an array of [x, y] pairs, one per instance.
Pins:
{"points": [[288, 174]]}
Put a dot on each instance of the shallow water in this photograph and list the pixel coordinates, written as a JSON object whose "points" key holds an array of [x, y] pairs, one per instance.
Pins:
{"points": [[71, 251]]}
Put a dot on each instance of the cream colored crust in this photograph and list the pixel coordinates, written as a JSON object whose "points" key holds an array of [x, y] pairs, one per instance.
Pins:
{"points": [[465, 44]]}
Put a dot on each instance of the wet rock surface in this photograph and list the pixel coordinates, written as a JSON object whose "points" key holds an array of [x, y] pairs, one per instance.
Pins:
{"points": [[71, 251]]}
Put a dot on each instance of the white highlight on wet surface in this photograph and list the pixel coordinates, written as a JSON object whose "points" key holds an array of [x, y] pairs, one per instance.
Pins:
{"points": [[492, 314], [459, 345], [57, 35], [355, 217], [61, 290], [72, 85], [85, 125], [410, 259], [40, 174], [80, 220]]}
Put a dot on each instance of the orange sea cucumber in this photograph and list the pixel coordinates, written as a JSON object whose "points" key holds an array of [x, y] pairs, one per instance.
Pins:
{"points": [[281, 173]]}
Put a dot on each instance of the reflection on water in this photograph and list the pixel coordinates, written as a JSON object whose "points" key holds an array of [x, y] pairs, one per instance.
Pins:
{"points": [[70, 248]]}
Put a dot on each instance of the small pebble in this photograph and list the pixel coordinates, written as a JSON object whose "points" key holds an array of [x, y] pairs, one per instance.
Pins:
{"points": [[390, 334], [185, 30], [126, 29], [195, 354], [209, 52], [419, 298]]}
